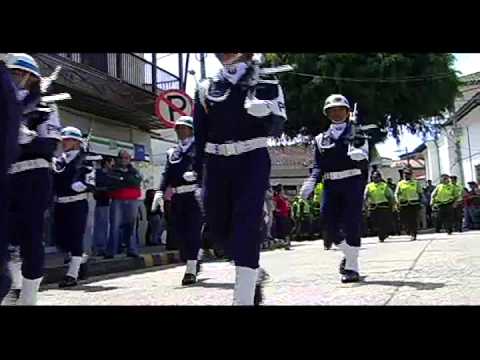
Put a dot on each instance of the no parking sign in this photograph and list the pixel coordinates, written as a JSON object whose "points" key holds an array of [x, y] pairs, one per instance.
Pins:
{"points": [[172, 104]]}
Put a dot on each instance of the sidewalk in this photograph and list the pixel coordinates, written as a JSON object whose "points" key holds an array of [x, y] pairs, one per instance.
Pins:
{"points": [[149, 256]]}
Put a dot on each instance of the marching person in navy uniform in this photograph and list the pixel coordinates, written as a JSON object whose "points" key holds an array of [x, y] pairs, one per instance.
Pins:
{"points": [[31, 181], [10, 117], [74, 177], [234, 114], [342, 161], [184, 205]]}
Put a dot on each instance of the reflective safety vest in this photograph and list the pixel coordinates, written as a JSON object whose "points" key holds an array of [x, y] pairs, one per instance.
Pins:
{"points": [[301, 209], [446, 193], [318, 194], [409, 192], [316, 204], [458, 192], [376, 193]]}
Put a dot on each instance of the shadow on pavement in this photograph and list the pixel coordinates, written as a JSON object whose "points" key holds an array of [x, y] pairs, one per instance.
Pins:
{"points": [[202, 283], [90, 289], [398, 283]]}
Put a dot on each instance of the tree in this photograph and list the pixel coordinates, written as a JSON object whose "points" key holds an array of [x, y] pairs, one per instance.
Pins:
{"points": [[392, 90]]}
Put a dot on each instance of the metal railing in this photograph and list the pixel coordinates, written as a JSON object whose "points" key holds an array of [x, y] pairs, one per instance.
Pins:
{"points": [[134, 70]]}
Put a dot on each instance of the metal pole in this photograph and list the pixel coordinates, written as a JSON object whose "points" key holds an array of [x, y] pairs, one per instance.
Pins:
{"points": [[458, 150], [186, 71], [154, 73], [203, 72], [180, 70], [470, 155]]}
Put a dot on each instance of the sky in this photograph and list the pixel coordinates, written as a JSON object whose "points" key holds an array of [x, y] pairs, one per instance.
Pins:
{"points": [[466, 63]]}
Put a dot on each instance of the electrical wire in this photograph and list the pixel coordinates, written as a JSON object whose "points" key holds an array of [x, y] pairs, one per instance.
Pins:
{"points": [[438, 76]]}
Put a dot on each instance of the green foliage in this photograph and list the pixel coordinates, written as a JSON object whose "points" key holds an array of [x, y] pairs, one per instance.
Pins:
{"points": [[391, 90]]}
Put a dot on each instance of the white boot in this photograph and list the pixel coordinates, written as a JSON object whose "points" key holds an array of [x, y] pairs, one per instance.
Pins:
{"points": [[191, 267], [28, 295], [245, 282], [15, 269], [74, 266], [351, 256]]}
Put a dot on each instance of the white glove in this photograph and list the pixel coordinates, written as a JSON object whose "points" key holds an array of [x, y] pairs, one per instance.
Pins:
{"points": [[257, 108], [357, 154], [25, 135], [307, 189], [79, 186], [190, 176], [158, 201]]}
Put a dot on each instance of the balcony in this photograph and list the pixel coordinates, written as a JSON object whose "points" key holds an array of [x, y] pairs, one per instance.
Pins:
{"points": [[128, 67], [119, 86]]}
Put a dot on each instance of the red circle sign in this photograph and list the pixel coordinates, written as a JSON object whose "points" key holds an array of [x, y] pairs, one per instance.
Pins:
{"points": [[172, 104]]}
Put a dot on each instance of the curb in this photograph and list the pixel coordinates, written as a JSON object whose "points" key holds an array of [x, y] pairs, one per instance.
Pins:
{"points": [[104, 267]]}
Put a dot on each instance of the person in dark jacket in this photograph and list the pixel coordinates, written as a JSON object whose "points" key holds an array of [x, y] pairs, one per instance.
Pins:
{"points": [[10, 116], [39, 135], [185, 207], [124, 207], [105, 183]]}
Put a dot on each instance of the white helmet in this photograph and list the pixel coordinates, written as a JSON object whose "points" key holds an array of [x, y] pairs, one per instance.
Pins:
{"points": [[334, 101], [71, 132], [23, 62], [185, 120]]}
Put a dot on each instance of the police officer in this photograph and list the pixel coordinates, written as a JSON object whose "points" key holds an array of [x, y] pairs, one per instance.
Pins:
{"points": [[316, 209], [343, 162], [234, 114], [443, 198], [458, 206], [10, 116], [408, 196], [74, 177], [379, 199], [301, 215], [185, 206], [31, 180]]}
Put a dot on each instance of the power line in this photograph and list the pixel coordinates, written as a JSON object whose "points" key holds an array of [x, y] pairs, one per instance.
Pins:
{"points": [[378, 80], [164, 56]]}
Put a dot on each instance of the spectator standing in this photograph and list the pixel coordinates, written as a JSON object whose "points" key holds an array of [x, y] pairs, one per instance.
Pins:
{"points": [[124, 207]]}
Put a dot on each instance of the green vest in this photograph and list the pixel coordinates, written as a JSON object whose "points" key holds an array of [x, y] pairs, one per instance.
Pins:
{"points": [[301, 209], [318, 194], [376, 193], [408, 192], [458, 192], [446, 193]]}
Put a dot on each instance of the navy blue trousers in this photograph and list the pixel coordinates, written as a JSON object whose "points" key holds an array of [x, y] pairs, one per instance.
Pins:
{"points": [[342, 209], [10, 115], [29, 199], [235, 190], [70, 224], [188, 224]]}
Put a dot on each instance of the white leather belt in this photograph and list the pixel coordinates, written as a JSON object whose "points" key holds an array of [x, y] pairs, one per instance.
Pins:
{"points": [[29, 165], [236, 148], [341, 174], [70, 199], [184, 189]]}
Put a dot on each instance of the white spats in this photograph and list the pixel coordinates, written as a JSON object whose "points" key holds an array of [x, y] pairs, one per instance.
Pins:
{"points": [[28, 296], [74, 266], [15, 268], [351, 256], [191, 267], [245, 281], [200, 254]]}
